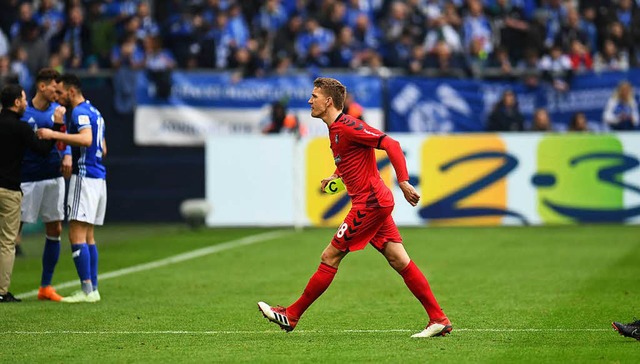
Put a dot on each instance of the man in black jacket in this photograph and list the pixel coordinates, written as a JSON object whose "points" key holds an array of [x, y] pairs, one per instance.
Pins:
{"points": [[15, 138]]}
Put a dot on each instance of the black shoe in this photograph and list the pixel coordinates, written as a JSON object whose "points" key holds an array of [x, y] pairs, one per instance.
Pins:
{"points": [[8, 297], [629, 330], [19, 252]]}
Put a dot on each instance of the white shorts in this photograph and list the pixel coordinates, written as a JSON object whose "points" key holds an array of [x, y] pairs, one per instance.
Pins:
{"points": [[44, 199], [87, 199]]}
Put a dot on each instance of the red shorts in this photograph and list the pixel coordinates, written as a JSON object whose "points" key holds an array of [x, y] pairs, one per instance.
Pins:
{"points": [[364, 225]]}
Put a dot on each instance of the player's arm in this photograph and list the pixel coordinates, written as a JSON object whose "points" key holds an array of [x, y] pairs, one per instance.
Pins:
{"points": [[82, 139], [104, 147], [399, 163], [325, 181], [66, 166], [42, 147]]}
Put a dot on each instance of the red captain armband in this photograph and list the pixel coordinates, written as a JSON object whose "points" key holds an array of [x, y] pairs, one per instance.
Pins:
{"points": [[61, 146]]}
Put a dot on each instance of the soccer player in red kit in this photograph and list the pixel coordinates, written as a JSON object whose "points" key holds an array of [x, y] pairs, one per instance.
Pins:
{"points": [[369, 221]]}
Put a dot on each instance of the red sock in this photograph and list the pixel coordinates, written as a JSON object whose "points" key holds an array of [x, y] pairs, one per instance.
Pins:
{"points": [[318, 283], [417, 283]]}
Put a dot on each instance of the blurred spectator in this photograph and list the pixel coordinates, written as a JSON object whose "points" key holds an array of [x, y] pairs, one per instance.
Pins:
{"points": [[281, 121], [8, 15], [621, 111], [271, 17], [222, 38], [147, 25], [418, 60], [50, 18], [366, 33], [284, 41], [159, 63], [541, 121], [61, 60], [499, 60], [119, 10], [556, 69], [476, 28], [506, 116], [238, 26], [443, 31], [416, 19], [20, 68], [128, 54], [6, 75], [477, 58], [395, 21], [77, 34], [571, 31], [588, 26], [399, 53], [351, 107], [580, 57], [552, 14], [622, 38], [103, 33], [25, 15], [529, 68], [4, 44], [611, 58], [578, 122], [444, 62], [314, 34], [35, 48], [510, 26], [334, 20], [245, 64], [345, 52]]}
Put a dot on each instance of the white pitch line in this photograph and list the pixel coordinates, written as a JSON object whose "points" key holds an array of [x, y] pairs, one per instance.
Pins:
{"points": [[278, 332], [247, 240]]}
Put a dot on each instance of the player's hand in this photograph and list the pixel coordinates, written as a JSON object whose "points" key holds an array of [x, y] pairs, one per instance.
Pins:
{"points": [[44, 133], [325, 181], [65, 166], [58, 114], [410, 193]]}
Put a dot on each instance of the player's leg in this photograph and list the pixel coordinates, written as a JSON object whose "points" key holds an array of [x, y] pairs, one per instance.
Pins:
{"points": [[50, 256], [9, 223], [101, 188], [288, 317], [93, 256], [52, 213], [320, 280], [29, 208], [81, 213], [389, 242], [357, 229]]}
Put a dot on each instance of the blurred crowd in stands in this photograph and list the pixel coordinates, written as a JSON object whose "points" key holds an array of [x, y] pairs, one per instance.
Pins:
{"points": [[461, 38]]}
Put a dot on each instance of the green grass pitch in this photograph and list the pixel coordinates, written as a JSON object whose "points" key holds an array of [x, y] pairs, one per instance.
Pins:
{"points": [[514, 294]]}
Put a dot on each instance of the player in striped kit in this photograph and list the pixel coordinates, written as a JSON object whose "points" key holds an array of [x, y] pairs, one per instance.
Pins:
{"points": [[87, 198]]}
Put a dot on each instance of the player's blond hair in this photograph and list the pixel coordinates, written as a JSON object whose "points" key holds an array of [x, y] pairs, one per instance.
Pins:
{"points": [[332, 88]]}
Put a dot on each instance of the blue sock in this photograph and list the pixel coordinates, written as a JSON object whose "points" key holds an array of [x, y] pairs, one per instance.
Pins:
{"points": [[50, 257], [93, 254], [81, 258]]}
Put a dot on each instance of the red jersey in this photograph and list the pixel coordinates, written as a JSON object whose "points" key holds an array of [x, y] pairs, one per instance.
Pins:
{"points": [[352, 143]]}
